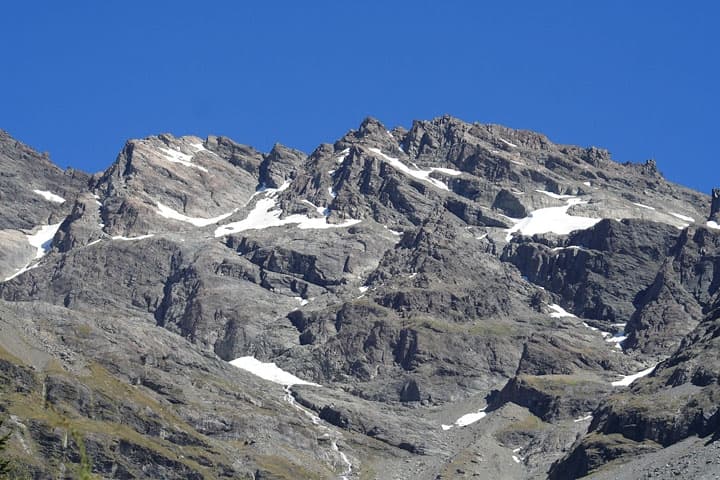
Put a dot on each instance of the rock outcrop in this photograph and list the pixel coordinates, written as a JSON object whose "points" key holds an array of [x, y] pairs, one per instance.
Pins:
{"points": [[715, 206]]}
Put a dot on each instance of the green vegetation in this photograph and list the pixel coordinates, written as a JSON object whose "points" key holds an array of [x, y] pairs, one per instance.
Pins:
{"points": [[281, 467], [4, 462], [529, 423], [85, 470]]}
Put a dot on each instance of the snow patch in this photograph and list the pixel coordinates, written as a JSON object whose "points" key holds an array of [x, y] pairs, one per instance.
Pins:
{"points": [[618, 337], [594, 329], [302, 301], [420, 174], [139, 237], [714, 225], [49, 196], [467, 419], [342, 155], [167, 212], [643, 206], [24, 269], [569, 247], [509, 144], [683, 217], [587, 184], [42, 239], [269, 372], [559, 312], [324, 211], [582, 419], [176, 156], [555, 195], [394, 232], [470, 418], [264, 215], [628, 379], [552, 219]]}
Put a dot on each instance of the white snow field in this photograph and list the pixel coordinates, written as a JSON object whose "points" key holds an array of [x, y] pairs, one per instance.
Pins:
{"points": [[42, 238], [269, 372], [467, 419], [552, 219], [629, 379], [49, 196]]}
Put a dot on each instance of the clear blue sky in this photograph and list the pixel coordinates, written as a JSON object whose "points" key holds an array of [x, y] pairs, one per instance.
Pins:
{"points": [[640, 78]]}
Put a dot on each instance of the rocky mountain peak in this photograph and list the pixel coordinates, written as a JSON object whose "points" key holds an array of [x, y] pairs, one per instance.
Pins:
{"points": [[280, 165], [370, 127], [454, 288]]}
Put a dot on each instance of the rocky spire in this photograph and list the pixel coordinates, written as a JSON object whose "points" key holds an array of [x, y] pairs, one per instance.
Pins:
{"points": [[649, 167], [715, 205]]}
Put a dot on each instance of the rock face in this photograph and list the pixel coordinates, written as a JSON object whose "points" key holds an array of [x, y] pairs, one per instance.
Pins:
{"points": [[715, 206], [33, 192], [599, 271], [455, 288], [676, 401]]}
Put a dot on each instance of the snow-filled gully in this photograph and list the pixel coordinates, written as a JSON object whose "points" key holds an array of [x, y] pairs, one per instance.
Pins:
{"points": [[272, 373]]}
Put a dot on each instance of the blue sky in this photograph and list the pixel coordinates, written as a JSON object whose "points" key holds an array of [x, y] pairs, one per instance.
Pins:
{"points": [[637, 77]]}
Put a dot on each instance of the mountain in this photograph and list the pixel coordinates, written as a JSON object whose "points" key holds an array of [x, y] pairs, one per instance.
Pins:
{"points": [[452, 300]]}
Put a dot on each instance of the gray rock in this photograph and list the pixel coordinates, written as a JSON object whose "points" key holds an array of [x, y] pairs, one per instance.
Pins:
{"points": [[715, 206]]}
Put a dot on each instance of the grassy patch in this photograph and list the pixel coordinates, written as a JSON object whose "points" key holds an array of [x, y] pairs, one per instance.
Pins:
{"points": [[5, 355], [283, 468], [528, 424]]}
